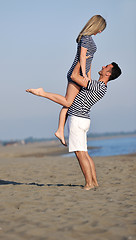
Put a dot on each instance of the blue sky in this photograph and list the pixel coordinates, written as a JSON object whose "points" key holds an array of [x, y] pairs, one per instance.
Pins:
{"points": [[37, 49]]}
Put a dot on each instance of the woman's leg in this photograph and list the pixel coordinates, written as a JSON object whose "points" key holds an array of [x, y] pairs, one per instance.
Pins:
{"points": [[72, 91], [64, 101], [60, 131], [51, 96]]}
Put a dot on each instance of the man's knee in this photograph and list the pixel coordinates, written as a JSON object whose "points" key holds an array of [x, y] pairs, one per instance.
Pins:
{"points": [[79, 153], [86, 153]]}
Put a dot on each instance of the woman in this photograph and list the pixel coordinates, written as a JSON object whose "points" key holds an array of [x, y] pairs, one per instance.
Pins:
{"points": [[83, 59]]}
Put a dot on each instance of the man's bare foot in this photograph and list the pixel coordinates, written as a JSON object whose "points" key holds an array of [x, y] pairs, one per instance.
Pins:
{"points": [[61, 138], [95, 184], [39, 91], [88, 187]]}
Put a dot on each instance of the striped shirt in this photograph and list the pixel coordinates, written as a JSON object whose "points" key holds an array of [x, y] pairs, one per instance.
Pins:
{"points": [[86, 98], [86, 42]]}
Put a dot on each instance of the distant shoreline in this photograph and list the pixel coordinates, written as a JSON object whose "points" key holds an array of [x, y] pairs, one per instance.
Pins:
{"points": [[46, 148], [90, 137], [112, 136]]}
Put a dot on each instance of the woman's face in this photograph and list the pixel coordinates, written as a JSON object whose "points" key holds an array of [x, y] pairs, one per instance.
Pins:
{"points": [[97, 33]]}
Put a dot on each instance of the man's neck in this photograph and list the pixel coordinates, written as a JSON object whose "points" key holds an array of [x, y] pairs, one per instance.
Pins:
{"points": [[104, 79]]}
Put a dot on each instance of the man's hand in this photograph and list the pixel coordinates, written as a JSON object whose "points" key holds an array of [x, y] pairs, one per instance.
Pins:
{"points": [[85, 81]]}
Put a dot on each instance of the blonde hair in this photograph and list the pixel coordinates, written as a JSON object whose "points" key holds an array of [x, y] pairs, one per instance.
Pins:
{"points": [[95, 24]]}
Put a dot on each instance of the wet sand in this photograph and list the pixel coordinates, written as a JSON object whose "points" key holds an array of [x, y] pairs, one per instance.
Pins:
{"points": [[41, 196]]}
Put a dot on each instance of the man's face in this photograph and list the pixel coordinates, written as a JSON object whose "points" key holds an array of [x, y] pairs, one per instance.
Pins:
{"points": [[106, 70]]}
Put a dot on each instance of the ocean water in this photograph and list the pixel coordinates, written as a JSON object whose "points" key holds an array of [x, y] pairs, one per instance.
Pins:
{"points": [[113, 146]]}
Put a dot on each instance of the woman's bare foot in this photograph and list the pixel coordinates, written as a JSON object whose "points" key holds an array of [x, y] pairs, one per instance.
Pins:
{"points": [[88, 187], [61, 138], [39, 91]]}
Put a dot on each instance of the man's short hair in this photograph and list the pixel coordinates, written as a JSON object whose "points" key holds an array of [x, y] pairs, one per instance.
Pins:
{"points": [[115, 72]]}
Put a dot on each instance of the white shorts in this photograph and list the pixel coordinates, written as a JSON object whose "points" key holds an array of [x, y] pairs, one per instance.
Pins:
{"points": [[77, 131]]}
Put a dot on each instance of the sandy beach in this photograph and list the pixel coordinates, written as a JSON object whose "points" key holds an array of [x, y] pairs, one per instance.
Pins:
{"points": [[41, 195]]}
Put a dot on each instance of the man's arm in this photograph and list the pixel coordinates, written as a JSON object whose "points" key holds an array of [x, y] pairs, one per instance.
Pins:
{"points": [[76, 77]]}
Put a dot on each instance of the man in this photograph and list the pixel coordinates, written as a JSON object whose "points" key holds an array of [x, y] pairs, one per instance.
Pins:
{"points": [[79, 119], [79, 115]]}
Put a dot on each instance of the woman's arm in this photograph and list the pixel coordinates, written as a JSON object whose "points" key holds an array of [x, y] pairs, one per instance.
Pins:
{"points": [[89, 73], [83, 61]]}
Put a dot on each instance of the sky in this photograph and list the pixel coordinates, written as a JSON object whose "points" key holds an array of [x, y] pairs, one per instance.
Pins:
{"points": [[37, 48]]}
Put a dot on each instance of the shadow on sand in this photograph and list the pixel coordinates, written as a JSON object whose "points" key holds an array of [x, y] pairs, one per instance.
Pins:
{"points": [[4, 182]]}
